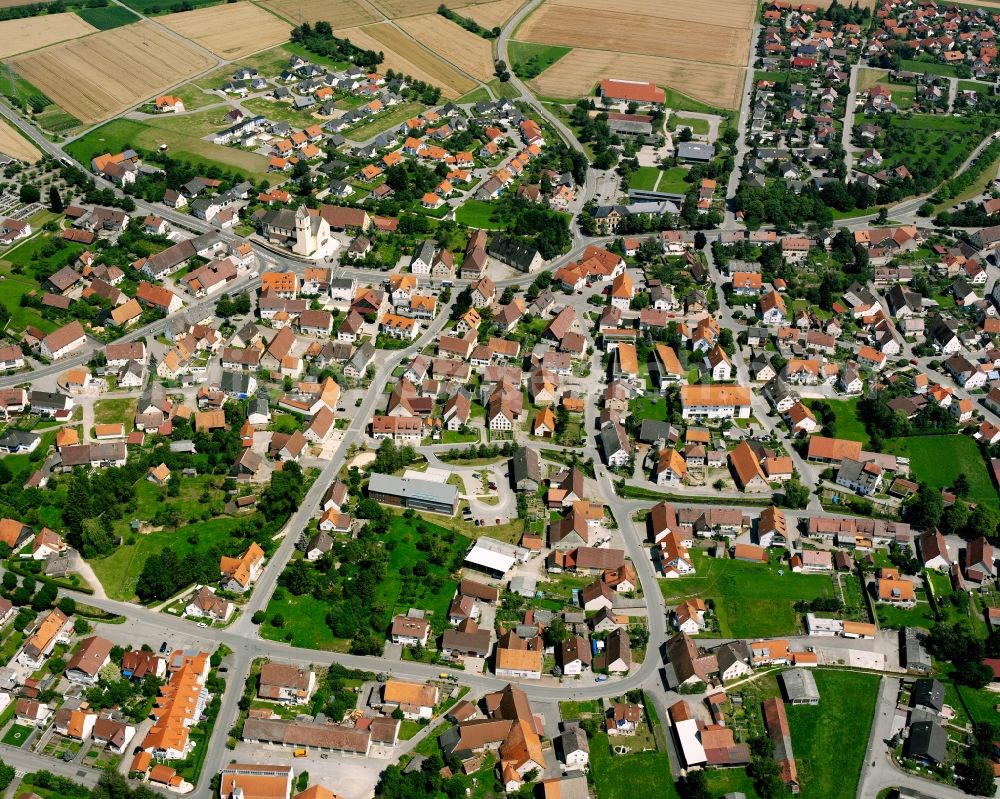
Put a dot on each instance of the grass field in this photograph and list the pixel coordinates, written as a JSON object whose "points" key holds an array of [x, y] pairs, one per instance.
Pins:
{"points": [[698, 126], [869, 77], [305, 619], [16, 735], [528, 59], [478, 214], [847, 424], [674, 180], [938, 460], [651, 407], [973, 86], [645, 177], [829, 739], [120, 570], [112, 70], [751, 600], [643, 774], [230, 30], [115, 411], [32, 33], [388, 119], [151, 7], [181, 134], [928, 67], [108, 17]]}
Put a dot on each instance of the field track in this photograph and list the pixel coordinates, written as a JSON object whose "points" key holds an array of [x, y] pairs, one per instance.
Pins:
{"points": [[230, 30], [31, 33], [111, 71]]}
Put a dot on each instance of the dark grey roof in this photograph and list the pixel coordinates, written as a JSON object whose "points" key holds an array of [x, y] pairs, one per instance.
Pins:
{"points": [[927, 740], [512, 251], [927, 693], [525, 465]]}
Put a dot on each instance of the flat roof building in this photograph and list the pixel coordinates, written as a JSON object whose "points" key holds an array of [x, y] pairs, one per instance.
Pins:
{"points": [[409, 492]]}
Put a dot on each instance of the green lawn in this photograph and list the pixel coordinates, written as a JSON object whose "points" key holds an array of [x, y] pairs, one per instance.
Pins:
{"points": [[973, 86], [650, 407], [115, 411], [922, 140], [16, 735], [478, 214], [645, 177], [279, 112], [938, 460], [847, 424], [477, 95], [389, 118], [829, 739], [181, 134], [730, 780], [119, 571], [151, 7], [572, 711], [528, 60], [751, 600], [305, 619], [644, 774], [928, 67], [698, 126], [107, 17], [674, 180], [679, 101]]}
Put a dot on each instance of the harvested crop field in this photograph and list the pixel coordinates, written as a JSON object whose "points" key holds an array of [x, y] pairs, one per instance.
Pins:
{"points": [[635, 33], [394, 9], [577, 73], [718, 13], [111, 71], [30, 33], [452, 42], [403, 54], [339, 13], [231, 30], [492, 15], [15, 145]]}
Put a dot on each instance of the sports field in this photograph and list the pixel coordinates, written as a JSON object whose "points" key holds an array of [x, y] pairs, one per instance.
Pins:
{"points": [[580, 71], [111, 71], [30, 33], [231, 30], [751, 600], [452, 42], [14, 144], [492, 15], [405, 55], [339, 13]]}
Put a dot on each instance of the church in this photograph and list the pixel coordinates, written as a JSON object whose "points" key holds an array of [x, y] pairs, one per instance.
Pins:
{"points": [[305, 233]]}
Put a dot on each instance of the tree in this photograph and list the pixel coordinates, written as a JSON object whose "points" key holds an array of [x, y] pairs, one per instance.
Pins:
{"points": [[795, 495], [55, 201], [693, 786], [7, 775], [961, 485], [258, 617], [975, 776], [926, 506], [29, 194]]}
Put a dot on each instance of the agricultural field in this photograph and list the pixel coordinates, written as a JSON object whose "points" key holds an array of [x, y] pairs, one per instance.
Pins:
{"points": [[620, 32], [453, 43], [231, 30], [751, 600], [339, 13], [403, 54], [394, 9], [107, 17], [181, 134], [14, 144], [528, 60], [494, 14], [31, 33], [112, 71], [578, 73], [722, 13]]}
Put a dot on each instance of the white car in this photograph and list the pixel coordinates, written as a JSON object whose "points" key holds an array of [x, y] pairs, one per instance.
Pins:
{"points": [[202, 625], [254, 274]]}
